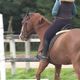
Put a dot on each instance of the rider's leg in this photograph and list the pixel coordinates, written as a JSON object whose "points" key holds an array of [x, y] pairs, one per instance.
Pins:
{"points": [[50, 33], [45, 49]]}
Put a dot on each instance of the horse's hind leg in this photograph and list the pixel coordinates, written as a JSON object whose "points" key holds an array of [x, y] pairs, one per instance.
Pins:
{"points": [[42, 66], [57, 72], [76, 65], [77, 70]]}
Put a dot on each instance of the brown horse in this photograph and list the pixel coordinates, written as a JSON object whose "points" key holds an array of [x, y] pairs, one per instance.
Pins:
{"points": [[66, 49]]}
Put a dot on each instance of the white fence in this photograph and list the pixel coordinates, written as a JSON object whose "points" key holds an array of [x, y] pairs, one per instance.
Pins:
{"points": [[2, 62], [13, 51]]}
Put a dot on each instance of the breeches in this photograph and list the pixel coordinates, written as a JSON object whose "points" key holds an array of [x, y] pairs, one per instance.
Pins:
{"points": [[54, 28]]}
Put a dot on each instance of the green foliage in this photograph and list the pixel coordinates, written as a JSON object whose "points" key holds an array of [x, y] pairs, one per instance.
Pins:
{"points": [[77, 2], [45, 7], [76, 21], [18, 8], [15, 7]]}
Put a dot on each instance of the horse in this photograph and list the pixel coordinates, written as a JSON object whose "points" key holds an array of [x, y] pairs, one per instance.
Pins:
{"points": [[66, 48]]}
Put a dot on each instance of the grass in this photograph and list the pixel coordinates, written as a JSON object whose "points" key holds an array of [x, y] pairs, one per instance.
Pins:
{"points": [[66, 74]]}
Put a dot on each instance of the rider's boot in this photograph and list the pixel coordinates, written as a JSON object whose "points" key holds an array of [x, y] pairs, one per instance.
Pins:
{"points": [[43, 55]]}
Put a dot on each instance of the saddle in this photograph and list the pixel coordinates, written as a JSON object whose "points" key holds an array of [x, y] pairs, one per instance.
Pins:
{"points": [[66, 28]]}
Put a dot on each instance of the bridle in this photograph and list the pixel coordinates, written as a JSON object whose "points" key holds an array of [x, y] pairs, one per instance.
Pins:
{"points": [[27, 33]]}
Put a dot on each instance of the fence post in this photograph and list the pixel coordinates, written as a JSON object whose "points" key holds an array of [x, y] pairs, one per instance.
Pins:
{"points": [[2, 55], [13, 55], [27, 51]]}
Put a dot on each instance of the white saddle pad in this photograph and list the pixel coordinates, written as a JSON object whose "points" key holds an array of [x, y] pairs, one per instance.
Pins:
{"points": [[62, 31]]}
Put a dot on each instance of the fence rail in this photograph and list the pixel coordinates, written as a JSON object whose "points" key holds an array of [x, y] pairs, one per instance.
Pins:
{"points": [[21, 59], [13, 57], [18, 40]]}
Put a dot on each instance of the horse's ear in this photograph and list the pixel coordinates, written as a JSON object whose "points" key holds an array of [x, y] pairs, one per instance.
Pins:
{"points": [[41, 21]]}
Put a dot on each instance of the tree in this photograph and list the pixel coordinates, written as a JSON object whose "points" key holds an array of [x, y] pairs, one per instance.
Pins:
{"points": [[45, 7], [13, 9]]}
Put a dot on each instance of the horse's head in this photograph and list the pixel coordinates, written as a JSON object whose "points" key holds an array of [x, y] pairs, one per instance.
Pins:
{"points": [[26, 27], [29, 23]]}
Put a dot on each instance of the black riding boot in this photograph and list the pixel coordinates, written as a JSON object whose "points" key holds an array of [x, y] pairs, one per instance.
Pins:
{"points": [[43, 55], [45, 50]]}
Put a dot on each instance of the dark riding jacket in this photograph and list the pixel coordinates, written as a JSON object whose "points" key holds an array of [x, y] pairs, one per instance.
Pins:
{"points": [[56, 7], [65, 10]]}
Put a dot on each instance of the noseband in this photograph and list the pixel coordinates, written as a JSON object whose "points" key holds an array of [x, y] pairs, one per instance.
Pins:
{"points": [[27, 33]]}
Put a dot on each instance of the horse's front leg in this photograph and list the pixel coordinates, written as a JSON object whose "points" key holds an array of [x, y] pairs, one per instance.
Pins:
{"points": [[42, 66], [57, 72], [40, 48]]}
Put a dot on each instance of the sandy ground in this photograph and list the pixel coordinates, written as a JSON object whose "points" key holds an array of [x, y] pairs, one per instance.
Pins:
{"points": [[32, 65]]}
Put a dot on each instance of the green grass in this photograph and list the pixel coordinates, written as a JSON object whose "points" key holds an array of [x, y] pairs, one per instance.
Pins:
{"points": [[66, 74]]}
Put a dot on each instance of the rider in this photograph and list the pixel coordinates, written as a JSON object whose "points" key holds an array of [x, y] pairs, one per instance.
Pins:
{"points": [[63, 11]]}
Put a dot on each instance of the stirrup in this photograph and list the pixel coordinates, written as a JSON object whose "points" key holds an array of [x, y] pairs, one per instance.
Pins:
{"points": [[41, 57], [44, 57], [38, 57]]}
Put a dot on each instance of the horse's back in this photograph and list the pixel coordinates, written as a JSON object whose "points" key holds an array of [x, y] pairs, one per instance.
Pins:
{"points": [[65, 47]]}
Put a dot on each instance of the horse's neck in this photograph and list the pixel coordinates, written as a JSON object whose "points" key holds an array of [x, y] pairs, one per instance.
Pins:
{"points": [[42, 29]]}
